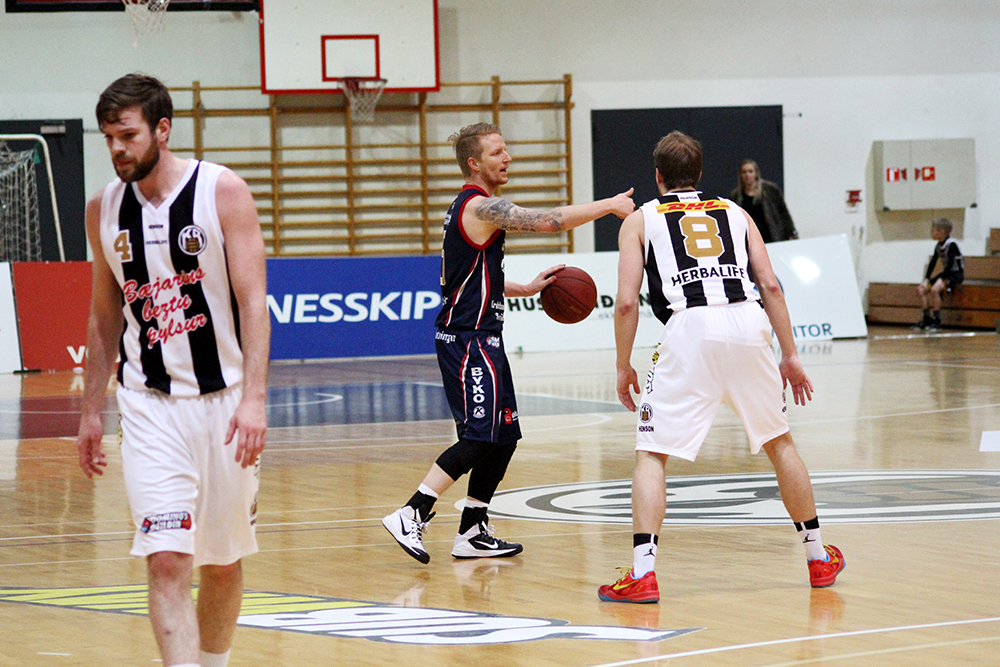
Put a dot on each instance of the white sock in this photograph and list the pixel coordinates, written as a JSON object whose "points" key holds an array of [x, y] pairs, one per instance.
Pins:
{"points": [[215, 659], [643, 559], [426, 490], [813, 543]]}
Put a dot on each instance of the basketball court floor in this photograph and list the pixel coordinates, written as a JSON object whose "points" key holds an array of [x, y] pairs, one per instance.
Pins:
{"points": [[892, 439]]}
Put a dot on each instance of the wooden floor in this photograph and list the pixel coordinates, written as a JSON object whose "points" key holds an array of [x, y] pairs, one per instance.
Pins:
{"points": [[892, 439]]}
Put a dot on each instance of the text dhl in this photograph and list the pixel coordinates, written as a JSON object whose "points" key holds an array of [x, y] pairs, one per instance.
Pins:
{"points": [[356, 307], [710, 205]]}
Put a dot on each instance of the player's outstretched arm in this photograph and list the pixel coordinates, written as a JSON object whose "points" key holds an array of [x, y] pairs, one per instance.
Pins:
{"points": [[546, 277], [245, 258], [630, 268], [503, 214], [773, 300], [104, 326]]}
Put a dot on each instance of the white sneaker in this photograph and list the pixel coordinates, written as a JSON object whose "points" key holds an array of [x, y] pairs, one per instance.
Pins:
{"points": [[479, 542], [407, 529]]}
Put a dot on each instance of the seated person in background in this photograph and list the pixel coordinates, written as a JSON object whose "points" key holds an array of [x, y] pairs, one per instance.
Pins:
{"points": [[763, 201], [945, 271]]}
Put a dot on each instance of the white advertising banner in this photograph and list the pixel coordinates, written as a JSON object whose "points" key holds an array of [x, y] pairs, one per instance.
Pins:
{"points": [[10, 347], [821, 288], [817, 276]]}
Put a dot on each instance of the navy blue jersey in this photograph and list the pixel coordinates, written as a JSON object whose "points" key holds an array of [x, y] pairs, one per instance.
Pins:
{"points": [[471, 275]]}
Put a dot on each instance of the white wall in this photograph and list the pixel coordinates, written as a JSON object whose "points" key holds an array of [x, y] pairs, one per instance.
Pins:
{"points": [[847, 72]]}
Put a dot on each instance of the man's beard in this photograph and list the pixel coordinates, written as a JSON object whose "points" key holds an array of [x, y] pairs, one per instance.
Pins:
{"points": [[143, 166]]}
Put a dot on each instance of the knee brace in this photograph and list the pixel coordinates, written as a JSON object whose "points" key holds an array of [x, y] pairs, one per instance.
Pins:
{"points": [[462, 456], [486, 477]]}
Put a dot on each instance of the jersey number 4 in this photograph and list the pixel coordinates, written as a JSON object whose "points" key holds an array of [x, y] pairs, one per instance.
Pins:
{"points": [[123, 246], [701, 236]]}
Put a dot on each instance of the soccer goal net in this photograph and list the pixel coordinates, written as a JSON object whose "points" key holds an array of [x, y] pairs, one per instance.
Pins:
{"points": [[20, 233], [20, 238]]}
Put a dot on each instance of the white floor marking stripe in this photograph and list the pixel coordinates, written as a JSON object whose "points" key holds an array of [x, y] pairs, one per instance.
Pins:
{"points": [[792, 640]]}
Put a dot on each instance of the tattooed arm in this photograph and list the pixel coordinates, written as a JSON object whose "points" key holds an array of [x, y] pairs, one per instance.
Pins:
{"points": [[494, 213]]}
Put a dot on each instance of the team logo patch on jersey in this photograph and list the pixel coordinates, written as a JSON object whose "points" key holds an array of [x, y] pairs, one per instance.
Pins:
{"points": [[166, 521], [710, 205], [192, 240]]}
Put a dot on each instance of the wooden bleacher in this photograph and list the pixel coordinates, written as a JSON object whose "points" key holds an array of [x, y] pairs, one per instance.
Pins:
{"points": [[975, 304]]}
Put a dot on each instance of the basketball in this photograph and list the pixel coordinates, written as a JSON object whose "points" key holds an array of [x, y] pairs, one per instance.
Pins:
{"points": [[571, 298]]}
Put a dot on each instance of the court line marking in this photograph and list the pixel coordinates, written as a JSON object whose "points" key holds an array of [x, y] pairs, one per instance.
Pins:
{"points": [[793, 640], [885, 651]]}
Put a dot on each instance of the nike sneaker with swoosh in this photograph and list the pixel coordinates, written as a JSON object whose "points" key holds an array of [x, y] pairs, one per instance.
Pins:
{"points": [[407, 528], [480, 542], [643, 590], [823, 573]]}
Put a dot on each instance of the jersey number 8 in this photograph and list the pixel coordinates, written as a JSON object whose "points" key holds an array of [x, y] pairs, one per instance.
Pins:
{"points": [[701, 236]]}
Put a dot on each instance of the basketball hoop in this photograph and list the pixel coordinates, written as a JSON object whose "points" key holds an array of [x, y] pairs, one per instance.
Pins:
{"points": [[147, 15], [362, 95]]}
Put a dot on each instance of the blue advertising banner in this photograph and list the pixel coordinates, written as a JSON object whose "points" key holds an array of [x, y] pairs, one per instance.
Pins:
{"points": [[324, 308]]}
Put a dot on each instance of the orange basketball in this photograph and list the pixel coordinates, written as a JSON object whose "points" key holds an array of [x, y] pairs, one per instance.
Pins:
{"points": [[571, 298]]}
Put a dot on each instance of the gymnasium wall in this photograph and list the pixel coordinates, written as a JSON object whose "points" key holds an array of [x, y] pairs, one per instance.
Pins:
{"points": [[846, 72]]}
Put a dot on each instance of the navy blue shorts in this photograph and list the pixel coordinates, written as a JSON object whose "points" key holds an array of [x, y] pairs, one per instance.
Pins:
{"points": [[478, 385]]}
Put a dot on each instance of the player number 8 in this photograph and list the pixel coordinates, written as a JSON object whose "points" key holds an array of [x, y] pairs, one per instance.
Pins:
{"points": [[701, 236]]}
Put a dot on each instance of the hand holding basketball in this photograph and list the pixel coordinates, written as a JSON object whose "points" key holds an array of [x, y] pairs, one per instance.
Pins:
{"points": [[571, 297]]}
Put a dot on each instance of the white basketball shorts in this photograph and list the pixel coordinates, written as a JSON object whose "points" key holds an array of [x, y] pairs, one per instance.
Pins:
{"points": [[710, 355], [186, 491]]}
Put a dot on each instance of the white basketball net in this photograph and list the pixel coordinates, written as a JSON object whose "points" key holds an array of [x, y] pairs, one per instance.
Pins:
{"points": [[362, 95], [147, 15]]}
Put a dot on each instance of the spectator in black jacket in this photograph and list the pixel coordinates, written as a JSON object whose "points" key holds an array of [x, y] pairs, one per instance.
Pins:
{"points": [[763, 201]]}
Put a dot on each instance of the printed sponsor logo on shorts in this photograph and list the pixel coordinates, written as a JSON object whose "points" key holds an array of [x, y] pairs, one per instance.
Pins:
{"points": [[166, 521], [446, 337], [478, 412], [509, 416], [645, 415], [493, 341]]}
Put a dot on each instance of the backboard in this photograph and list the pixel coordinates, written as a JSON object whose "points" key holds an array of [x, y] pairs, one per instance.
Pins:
{"points": [[308, 46], [117, 6]]}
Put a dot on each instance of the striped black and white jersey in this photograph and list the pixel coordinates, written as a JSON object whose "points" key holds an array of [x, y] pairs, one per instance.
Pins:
{"points": [[697, 253], [181, 334], [947, 261], [472, 275]]}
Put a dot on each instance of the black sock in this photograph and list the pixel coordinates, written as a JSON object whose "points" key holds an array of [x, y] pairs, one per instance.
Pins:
{"points": [[422, 503], [644, 538], [472, 516], [811, 524]]}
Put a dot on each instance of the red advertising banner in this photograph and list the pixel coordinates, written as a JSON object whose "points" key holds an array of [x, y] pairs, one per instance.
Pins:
{"points": [[53, 302]]}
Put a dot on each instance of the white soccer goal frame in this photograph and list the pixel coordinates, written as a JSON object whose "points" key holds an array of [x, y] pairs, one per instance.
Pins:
{"points": [[52, 184]]}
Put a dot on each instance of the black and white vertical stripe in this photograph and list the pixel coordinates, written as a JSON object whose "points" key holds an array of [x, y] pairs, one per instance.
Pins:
{"points": [[669, 265], [193, 360]]}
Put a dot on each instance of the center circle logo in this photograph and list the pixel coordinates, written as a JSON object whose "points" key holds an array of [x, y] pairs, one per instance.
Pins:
{"points": [[865, 496]]}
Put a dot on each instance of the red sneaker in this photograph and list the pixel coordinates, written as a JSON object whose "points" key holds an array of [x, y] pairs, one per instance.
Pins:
{"points": [[823, 573], [643, 590]]}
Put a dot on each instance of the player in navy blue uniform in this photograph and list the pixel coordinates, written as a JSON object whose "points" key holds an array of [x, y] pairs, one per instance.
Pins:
{"points": [[469, 341]]}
